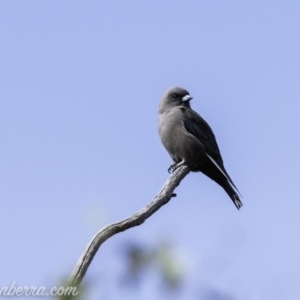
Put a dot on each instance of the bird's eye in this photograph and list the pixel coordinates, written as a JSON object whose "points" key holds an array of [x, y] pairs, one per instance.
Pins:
{"points": [[175, 95]]}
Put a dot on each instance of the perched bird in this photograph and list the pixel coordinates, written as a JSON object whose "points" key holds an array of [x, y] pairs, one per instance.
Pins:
{"points": [[190, 140]]}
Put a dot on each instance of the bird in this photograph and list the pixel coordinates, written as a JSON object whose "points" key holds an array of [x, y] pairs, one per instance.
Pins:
{"points": [[190, 141]]}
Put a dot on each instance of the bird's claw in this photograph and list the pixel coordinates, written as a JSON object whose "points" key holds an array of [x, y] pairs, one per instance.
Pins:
{"points": [[172, 168], [175, 166]]}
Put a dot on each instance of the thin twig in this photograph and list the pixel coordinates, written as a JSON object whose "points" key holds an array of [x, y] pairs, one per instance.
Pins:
{"points": [[163, 197]]}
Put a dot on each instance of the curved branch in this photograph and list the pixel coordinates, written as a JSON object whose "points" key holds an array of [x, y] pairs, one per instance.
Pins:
{"points": [[163, 197]]}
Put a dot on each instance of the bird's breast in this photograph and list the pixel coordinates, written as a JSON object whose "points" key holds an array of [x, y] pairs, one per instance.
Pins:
{"points": [[180, 144]]}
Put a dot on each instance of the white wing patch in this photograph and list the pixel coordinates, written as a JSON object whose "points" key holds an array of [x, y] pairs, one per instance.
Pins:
{"points": [[228, 179], [226, 176]]}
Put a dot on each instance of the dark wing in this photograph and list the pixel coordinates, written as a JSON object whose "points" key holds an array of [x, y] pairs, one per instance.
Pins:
{"points": [[198, 127]]}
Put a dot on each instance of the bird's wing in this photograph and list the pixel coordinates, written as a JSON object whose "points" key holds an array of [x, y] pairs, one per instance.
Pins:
{"points": [[198, 127]]}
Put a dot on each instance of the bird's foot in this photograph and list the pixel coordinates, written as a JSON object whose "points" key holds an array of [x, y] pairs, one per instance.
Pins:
{"points": [[175, 166], [172, 168]]}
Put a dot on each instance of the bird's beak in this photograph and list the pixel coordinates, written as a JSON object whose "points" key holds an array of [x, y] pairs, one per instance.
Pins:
{"points": [[187, 98]]}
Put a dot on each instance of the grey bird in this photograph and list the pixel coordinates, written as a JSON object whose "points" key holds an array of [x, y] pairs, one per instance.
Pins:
{"points": [[190, 140]]}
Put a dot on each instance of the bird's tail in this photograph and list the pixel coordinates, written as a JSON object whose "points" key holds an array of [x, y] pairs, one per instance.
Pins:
{"points": [[232, 193], [224, 180]]}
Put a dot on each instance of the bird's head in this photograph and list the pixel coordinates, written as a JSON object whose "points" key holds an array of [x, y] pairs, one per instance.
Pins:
{"points": [[173, 97]]}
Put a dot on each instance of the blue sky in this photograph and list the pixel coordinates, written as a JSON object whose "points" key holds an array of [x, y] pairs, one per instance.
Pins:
{"points": [[80, 87]]}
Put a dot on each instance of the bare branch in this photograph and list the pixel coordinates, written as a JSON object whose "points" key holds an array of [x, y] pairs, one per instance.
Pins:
{"points": [[163, 197]]}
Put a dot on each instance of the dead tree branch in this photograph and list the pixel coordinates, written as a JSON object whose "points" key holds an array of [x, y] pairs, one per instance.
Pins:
{"points": [[163, 197]]}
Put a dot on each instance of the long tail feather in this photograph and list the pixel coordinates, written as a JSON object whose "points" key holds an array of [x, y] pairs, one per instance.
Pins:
{"points": [[228, 185]]}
